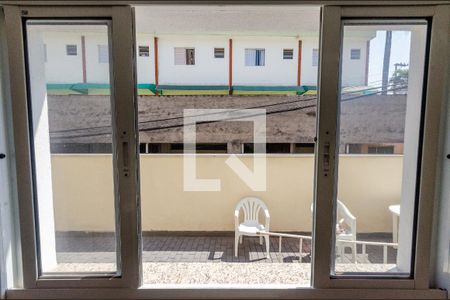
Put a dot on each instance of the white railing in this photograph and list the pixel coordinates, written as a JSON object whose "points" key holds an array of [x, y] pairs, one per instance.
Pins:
{"points": [[364, 244]]}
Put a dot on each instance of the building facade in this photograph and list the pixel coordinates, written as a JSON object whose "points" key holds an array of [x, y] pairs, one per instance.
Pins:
{"points": [[267, 62]]}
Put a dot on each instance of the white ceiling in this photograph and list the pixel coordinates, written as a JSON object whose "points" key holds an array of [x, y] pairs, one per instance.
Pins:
{"points": [[288, 20]]}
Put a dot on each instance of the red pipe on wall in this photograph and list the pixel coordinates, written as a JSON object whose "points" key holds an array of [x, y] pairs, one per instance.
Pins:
{"points": [[230, 67], [83, 57], [155, 45], [299, 69]]}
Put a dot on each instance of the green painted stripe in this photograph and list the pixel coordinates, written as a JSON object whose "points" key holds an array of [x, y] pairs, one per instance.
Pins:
{"points": [[193, 87], [99, 89], [264, 92], [266, 88], [192, 92]]}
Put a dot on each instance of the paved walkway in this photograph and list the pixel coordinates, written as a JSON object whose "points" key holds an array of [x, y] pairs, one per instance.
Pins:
{"points": [[99, 248]]}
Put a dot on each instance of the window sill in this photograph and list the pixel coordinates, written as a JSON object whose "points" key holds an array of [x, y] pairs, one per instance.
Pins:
{"points": [[184, 291]]}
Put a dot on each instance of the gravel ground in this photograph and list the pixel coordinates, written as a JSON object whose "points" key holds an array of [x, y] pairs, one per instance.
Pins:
{"points": [[224, 273]]}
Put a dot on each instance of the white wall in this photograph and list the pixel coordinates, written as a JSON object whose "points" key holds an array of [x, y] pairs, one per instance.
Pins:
{"points": [[41, 139], [145, 65], [309, 72], [354, 73], [96, 72], [59, 67], [276, 70], [207, 69]]}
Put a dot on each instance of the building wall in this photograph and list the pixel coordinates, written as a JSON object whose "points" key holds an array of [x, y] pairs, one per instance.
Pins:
{"points": [[207, 69], [96, 72], [276, 70], [145, 65], [354, 73], [59, 67], [309, 73], [81, 190]]}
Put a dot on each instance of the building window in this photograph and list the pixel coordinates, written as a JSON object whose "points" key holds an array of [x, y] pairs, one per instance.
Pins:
{"points": [[270, 148], [355, 54], [219, 52], [103, 54], [184, 56], [288, 53], [315, 57], [372, 149], [381, 150], [144, 51], [254, 57], [71, 50]]}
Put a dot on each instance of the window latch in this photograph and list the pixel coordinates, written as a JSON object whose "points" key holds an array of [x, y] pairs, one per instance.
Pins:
{"points": [[326, 158]]}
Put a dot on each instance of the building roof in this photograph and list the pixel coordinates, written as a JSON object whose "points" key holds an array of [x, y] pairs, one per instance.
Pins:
{"points": [[290, 119]]}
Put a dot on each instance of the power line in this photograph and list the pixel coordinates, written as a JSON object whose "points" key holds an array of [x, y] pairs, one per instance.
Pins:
{"points": [[214, 121], [212, 113]]}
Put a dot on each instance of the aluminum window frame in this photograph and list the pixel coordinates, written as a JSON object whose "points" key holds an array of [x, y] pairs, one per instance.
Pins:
{"points": [[125, 158], [327, 124], [323, 286]]}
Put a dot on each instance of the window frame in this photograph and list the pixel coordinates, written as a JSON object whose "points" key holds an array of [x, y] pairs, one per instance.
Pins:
{"points": [[220, 51], [322, 283], [123, 87], [71, 46], [256, 63], [141, 50], [315, 58], [355, 50], [290, 56], [100, 48], [326, 161]]}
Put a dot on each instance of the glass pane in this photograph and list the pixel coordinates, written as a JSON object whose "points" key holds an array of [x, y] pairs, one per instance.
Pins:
{"points": [[69, 83], [189, 231], [380, 121]]}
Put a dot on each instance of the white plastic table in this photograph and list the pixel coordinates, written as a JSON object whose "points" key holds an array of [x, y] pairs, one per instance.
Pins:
{"points": [[395, 210]]}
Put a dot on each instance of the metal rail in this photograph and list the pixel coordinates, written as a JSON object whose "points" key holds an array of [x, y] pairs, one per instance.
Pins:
{"points": [[306, 237]]}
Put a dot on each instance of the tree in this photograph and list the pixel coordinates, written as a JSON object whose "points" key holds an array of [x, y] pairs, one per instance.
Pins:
{"points": [[399, 78]]}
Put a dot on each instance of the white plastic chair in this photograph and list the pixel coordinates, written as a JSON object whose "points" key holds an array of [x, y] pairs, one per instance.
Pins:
{"points": [[251, 207], [345, 230], [346, 223]]}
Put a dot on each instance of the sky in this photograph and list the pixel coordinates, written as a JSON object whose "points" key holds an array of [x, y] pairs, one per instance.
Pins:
{"points": [[399, 53]]}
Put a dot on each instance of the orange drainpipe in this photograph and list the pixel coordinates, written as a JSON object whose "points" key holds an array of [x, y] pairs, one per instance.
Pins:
{"points": [[155, 50], [299, 69], [83, 57], [230, 68]]}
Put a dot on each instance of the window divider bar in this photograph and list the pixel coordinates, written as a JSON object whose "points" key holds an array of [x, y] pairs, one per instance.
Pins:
{"points": [[22, 150], [325, 172], [124, 82], [431, 149]]}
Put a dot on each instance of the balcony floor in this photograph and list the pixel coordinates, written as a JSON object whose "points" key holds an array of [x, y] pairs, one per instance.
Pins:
{"points": [[207, 259]]}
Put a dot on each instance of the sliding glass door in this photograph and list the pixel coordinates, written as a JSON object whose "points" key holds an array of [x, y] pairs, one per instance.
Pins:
{"points": [[73, 117], [274, 151]]}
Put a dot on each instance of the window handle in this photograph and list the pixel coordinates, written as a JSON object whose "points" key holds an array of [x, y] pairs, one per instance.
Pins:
{"points": [[326, 158], [2, 155], [448, 156], [125, 158]]}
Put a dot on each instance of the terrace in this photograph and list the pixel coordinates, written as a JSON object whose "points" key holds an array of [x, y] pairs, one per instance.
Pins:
{"points": [[188, 237], [206, 258]]}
